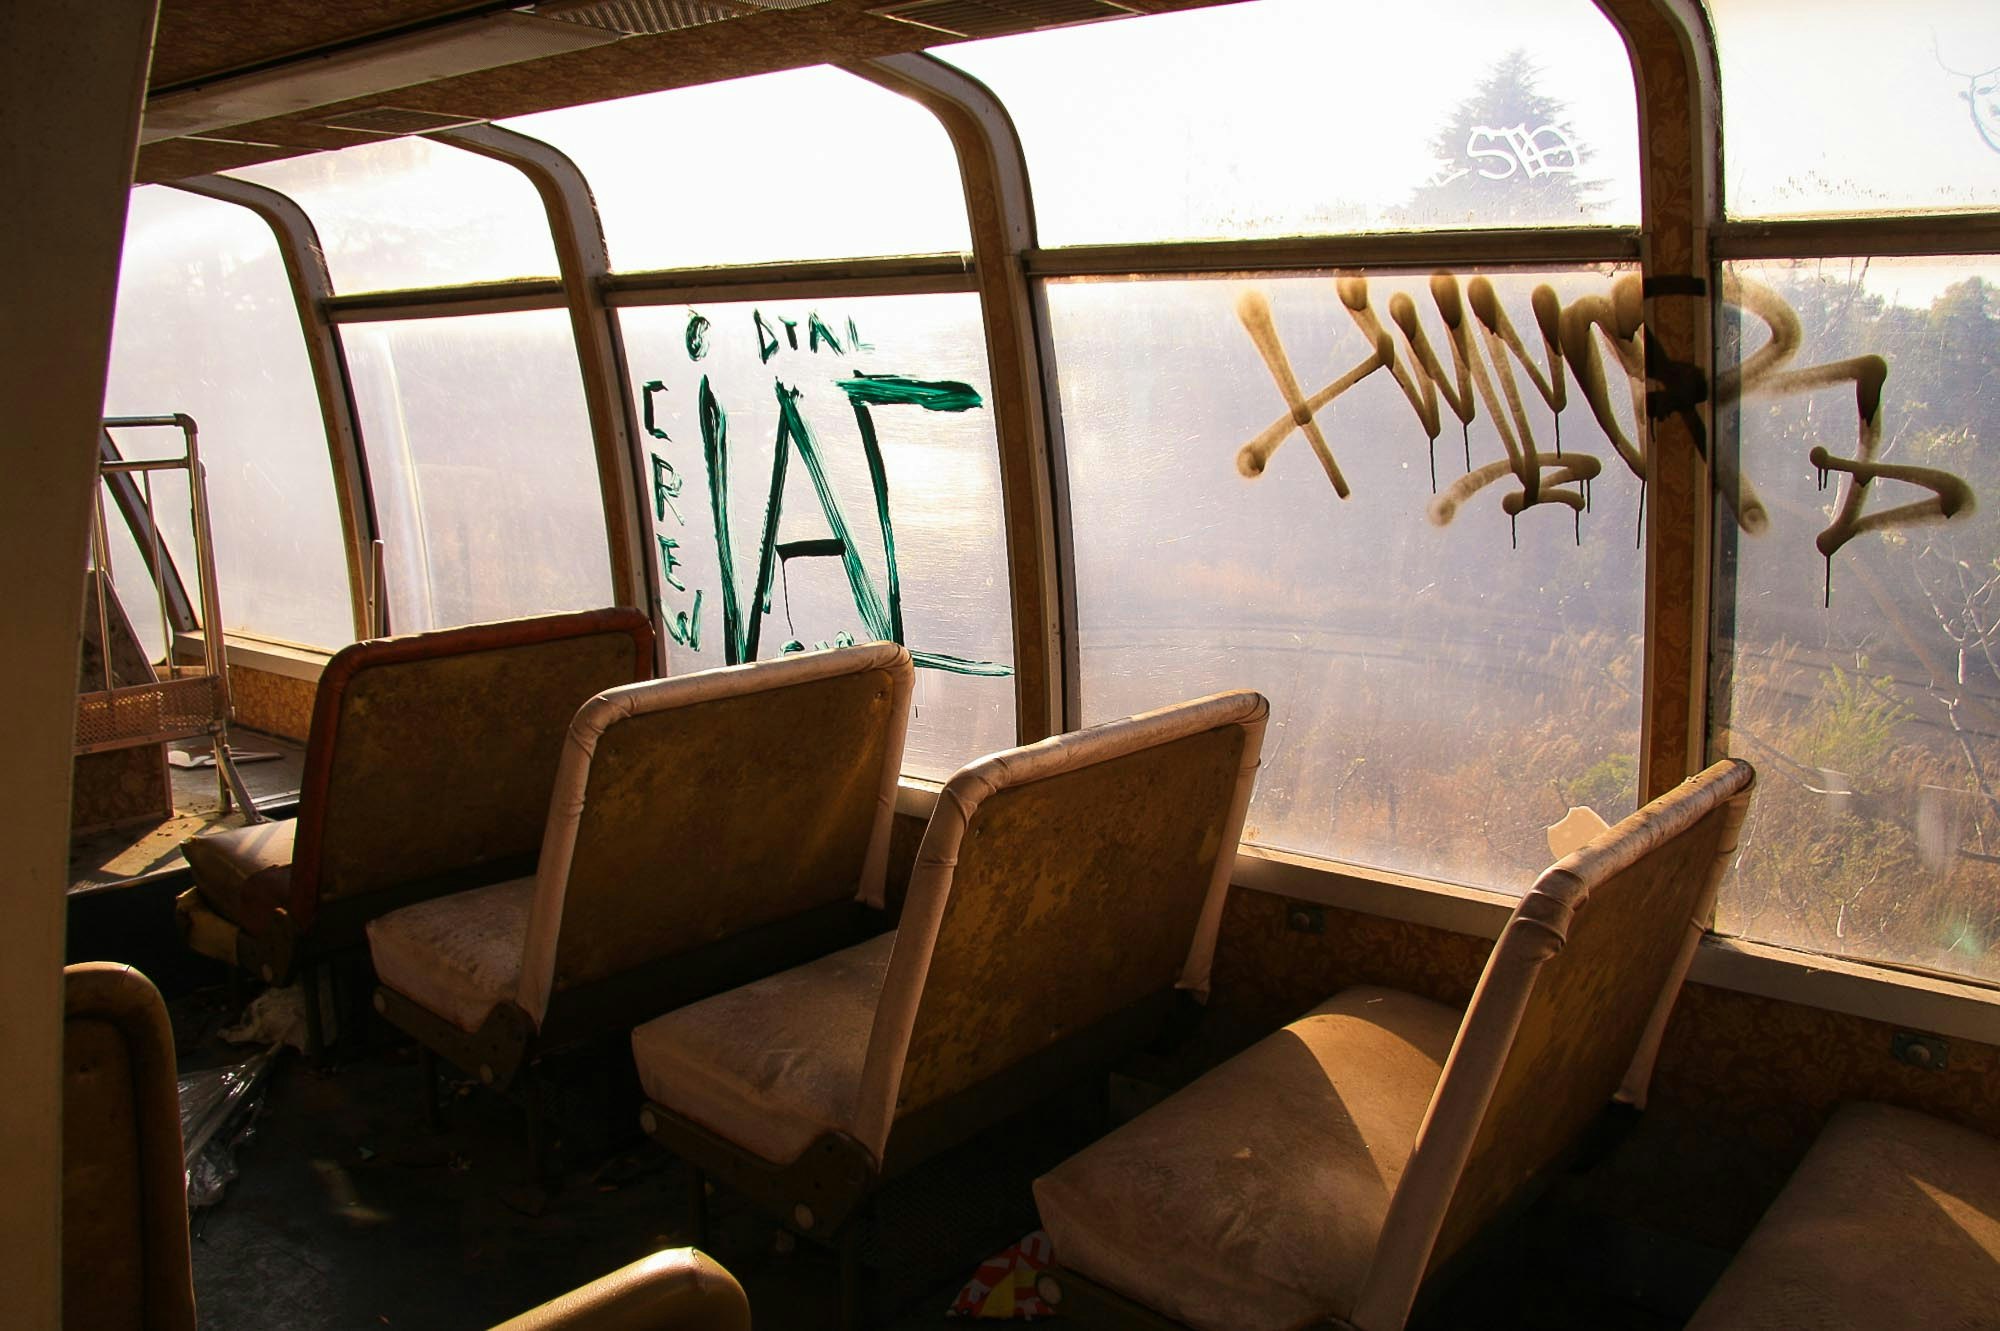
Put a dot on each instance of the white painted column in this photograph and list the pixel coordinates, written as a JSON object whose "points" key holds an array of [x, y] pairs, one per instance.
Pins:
{"points": [[72, 84]]}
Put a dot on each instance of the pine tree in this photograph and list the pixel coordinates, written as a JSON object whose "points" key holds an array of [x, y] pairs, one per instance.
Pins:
{"points": [[1508, 156]]}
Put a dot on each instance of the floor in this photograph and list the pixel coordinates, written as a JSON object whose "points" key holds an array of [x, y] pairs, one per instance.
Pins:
{"points": [[348, 1212], [120, 855]]}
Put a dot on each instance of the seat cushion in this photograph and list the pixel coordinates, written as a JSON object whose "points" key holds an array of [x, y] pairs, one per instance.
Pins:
{"points": [[1253, 1198], [457, 956], [1893, 1218], [245, 874], [775, 1064]]}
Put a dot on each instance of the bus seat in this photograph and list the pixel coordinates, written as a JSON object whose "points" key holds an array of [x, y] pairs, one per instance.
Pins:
{"points": [[1327, 1170], [704, 831], [1063, 890], [428, 767], [1892, 1218], [675, 1289], [125, 1264]]}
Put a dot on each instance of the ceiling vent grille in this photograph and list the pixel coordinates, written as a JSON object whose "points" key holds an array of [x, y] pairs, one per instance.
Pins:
{"points": [[647, 18], [398, 120], [995, 18]]}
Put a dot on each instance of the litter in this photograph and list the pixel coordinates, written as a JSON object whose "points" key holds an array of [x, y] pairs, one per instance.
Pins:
{"points": [[219, 1108], [1004, 1285]]}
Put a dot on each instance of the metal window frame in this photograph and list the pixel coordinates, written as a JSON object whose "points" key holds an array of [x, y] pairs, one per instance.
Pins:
{"points": [[584, 262], [312, 289]]}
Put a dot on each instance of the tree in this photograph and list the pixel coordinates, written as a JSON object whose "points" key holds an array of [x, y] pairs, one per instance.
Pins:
{"points": [[1508, 156]]}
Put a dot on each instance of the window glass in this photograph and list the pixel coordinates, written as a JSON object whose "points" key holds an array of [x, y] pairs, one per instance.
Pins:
{"points": [[1296, 117], [480, 456], [1865, 684], [414, 213], [761, 420], [1445, 679], [1852, 107], [806, 164], [206, 325]]}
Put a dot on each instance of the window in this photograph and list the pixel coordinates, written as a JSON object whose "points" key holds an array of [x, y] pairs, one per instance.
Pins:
{"points": [[1299, 117], [1445, 679], [1846, 107], [480, 457], [207, 325], [807, 164], [1864, 683], [824, 471], [414, 213]]}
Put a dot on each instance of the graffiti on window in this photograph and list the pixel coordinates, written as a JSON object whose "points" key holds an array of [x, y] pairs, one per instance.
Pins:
{"points": [[1599, 340], [856, 538]]}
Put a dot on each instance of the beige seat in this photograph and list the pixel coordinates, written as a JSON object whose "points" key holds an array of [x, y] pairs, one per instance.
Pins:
{"points": [[1893, 1218], [704, 831], [1062, 892], [427, 770], [1321, 1175], [675, 1289], [124, 1214]]}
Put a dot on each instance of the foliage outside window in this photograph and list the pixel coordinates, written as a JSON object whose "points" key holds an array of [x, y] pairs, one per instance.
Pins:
{"points": [[1291, 117], [1851, 107], [1447, 676], [1864, 682], [480, 456]]}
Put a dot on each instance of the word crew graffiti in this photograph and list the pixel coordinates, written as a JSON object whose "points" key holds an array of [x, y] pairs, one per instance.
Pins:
{"points": [[1483, 361], [876, 605]]}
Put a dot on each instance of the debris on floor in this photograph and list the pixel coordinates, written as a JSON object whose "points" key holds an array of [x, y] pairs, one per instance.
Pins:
{"points": [[1004, 1285], [219, 1109]]}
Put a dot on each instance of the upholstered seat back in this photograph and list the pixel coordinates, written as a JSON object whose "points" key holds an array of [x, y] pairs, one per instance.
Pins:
{"points": [[124, 1232], [433, 754], [1058, 884], [692, 809], [1567, 1016]]}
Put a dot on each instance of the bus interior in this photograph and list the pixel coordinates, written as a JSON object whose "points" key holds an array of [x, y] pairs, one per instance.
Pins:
{"points": [[627, 544]]}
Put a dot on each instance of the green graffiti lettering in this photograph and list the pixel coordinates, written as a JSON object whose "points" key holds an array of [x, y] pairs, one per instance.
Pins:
{"points": [[854, 342], [669, 562], [667, 484], [880, 610], [791, 331], [696, 336], [817, 332], [653, 386], [767, 340], [684, 627]]}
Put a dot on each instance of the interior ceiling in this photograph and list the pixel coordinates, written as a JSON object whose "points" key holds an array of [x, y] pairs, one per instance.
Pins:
{"points": [[202, 41]]}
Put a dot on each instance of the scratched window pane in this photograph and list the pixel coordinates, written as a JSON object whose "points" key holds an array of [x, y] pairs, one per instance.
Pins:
{"points": [[806, 164], [1843, 106], [480, 457], [414, 213], [1300, 117], [1445, 681], [206, 325], [1873, 720], [798, 392]]}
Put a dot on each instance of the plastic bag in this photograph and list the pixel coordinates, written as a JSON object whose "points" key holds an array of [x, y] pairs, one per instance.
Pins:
{"points": [[218, 1114]]}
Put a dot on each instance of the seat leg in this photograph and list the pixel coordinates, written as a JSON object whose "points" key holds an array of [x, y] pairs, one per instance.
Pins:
{"points": [[541, 1155], [308, 972], [427, 1063], [853, 1273], [698, 1207]]}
